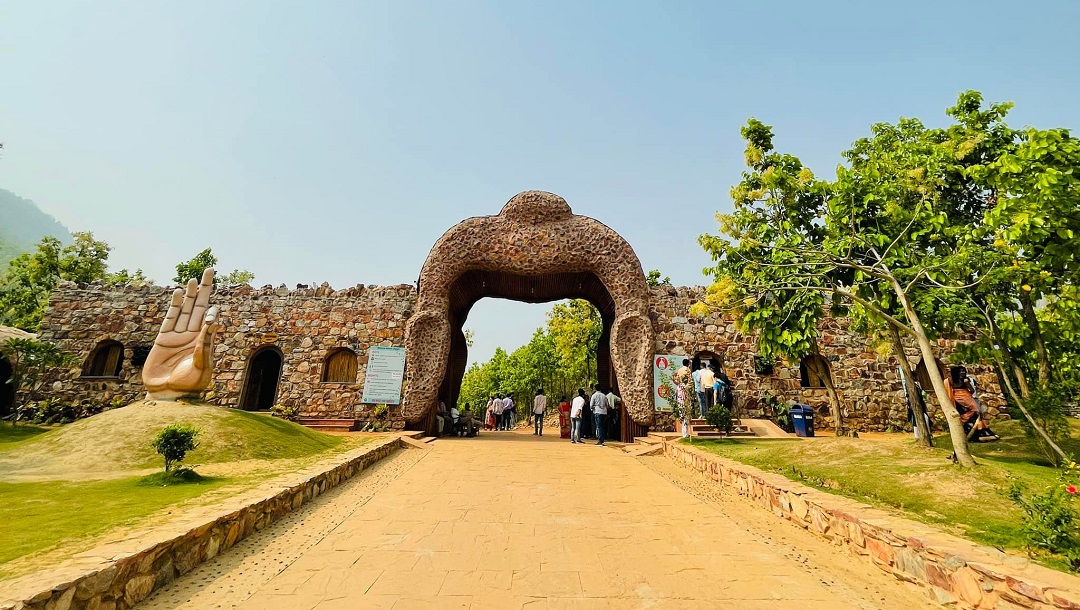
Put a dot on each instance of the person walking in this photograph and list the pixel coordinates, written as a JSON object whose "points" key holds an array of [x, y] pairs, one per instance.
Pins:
{"points": [[599, 406], [489, 416], [576, 409], [508, 413], [614, 421], [707, 379], [497, 408], [698, 388], [564, 418], [538, 412]]}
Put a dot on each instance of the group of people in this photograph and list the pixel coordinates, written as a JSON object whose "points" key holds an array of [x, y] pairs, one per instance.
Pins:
{"points": [[454, 422], [585, 417], [500, 413], [712, 387], [965, 396], [600, 410]]}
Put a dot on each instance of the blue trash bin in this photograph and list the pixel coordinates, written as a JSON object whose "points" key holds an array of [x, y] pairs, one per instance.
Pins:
{"points": [[802, 419]]}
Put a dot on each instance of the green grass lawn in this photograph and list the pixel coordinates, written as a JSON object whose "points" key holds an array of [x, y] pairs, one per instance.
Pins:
{"points": [[890, 471], [37, 516], [60, 487], [21, 432]]}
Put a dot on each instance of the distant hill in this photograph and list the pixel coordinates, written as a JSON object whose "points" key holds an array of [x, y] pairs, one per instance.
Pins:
{"points": [[22, 225]]}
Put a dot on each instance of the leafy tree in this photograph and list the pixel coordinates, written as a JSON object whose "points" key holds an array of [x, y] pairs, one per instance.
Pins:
{"points": [[759, 273], [194, 268], [652, 278], [31, 361], [174, 442], [205, 260], [575, 327], [31, 277]]}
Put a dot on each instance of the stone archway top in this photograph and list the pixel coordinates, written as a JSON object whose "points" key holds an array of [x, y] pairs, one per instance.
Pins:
{"points": [[535, 233]]}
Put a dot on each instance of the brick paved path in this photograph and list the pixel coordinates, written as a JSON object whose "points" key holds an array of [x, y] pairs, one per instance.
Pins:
{"points": [[509, 520]]}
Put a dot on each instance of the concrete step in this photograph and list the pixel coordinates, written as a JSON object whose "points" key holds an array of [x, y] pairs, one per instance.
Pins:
{"points": [[427, 439]]}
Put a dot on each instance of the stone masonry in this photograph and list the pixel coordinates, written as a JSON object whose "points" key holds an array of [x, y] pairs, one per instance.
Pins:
{"points": [[304, 325], [867, 382]]}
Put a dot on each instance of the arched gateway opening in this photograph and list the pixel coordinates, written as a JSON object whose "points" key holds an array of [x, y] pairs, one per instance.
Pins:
{"points": [[535, 250]]}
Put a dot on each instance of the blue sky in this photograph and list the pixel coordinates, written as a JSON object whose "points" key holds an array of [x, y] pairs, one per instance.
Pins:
{"points": [[334, 141]]}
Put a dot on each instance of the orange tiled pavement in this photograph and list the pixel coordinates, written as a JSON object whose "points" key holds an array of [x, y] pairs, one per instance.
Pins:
{"points": [[509, 520]]}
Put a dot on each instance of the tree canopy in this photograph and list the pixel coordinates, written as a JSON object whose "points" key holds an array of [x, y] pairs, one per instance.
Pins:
{"points": [[205, 260], [967, 230], [559, 358]]}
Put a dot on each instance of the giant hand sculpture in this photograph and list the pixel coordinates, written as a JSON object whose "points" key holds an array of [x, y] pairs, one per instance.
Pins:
{"points": [[181, 361]]}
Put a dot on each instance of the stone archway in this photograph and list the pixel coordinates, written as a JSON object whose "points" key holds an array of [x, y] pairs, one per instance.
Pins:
{"points": [[535, 250]]}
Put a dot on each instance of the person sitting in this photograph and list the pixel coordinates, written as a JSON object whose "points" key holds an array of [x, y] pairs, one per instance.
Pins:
{"points": [[467, 426], [961, 391]]}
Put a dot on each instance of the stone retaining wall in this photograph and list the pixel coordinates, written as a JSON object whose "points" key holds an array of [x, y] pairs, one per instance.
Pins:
{"points": [[956, 572], [130, 578]]}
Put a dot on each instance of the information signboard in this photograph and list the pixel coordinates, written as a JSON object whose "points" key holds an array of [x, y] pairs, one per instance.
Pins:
{"points": [[385, 372], [666, 364]]}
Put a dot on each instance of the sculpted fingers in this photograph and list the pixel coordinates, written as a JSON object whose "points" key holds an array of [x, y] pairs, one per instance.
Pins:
{"points": [[169, 323], [201, 300], [188, 305]]}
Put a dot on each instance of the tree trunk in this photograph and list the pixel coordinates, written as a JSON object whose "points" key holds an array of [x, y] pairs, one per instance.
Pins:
{"points": [[1032, 321], [1031, 420], [834, 398], [914, 399], [956, 427]]}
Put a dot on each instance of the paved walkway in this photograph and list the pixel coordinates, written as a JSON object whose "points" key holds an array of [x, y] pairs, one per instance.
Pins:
{"points": [[509, 520]]}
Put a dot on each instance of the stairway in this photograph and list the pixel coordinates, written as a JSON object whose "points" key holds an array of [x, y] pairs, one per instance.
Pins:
{"points": [[699, 428], [329, 425]]}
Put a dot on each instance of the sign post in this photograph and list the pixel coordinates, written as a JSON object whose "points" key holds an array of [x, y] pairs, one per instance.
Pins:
{"points": [[667, 364], [385, 372]]}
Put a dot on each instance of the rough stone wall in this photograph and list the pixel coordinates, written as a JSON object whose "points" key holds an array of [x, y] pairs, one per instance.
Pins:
{"points": [[868, 383], [305, 324], [956, 573]]}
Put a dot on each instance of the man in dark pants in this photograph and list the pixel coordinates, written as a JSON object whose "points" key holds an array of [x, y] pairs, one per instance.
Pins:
{"points": [[599, 405]]}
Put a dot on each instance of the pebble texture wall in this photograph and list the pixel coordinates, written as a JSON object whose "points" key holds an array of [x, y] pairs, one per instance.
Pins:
{"points": [[535, 234]]}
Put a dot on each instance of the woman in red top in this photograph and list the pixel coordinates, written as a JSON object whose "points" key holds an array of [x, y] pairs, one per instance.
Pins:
{"points": [[564, 418], [964, 400]]}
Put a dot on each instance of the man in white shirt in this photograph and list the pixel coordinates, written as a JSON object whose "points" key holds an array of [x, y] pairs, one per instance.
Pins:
{"points": [[497, 408], [576, 407], [539, 409], [508, 413], [599, 406], [708, 380]]}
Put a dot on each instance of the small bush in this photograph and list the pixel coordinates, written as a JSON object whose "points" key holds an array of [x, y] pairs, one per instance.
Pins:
{"points": [[174, 442], [719, 417], [180, 476], [1050, 520], [289, 413]]}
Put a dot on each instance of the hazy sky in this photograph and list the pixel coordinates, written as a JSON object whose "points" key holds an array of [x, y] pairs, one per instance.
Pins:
{"points": [[333, 141]]}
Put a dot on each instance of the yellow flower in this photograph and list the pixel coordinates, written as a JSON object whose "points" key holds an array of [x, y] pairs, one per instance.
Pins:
{"points": [[1026, 288], [999, 243]]}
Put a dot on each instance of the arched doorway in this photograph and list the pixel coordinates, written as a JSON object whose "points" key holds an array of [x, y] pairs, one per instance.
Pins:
{"points": [[261, 379], [7, 391], [535, 250]]}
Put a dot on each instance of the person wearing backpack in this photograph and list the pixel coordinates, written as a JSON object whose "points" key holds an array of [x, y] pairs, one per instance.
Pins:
{"points": [[722, 392]]}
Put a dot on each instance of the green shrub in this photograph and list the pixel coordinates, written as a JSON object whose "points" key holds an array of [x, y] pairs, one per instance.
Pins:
{"points": [[289, 413], [1050, 520], [719, 417], [173, 443], [179, 476]]}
